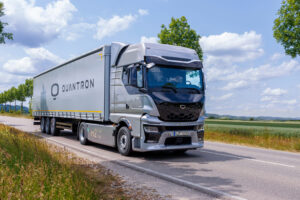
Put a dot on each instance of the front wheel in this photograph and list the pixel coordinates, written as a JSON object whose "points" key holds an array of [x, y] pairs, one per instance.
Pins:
{"points": [[124, 141], [83, 134]]}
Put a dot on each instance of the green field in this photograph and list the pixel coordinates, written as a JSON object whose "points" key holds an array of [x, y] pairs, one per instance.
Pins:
{"points": [[268, 134]]}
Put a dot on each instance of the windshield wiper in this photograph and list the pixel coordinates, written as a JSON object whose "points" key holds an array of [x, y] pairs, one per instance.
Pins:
{"points": [[170, 87], [194, 89]]}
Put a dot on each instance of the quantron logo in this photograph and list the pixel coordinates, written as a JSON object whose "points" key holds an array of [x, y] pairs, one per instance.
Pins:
{"points": [[70, 87], [54, 89]]}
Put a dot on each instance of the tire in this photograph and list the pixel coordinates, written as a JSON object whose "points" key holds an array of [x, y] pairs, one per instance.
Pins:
{"points": [[124, 141], [75, 128], [82, 133], [43, 125], [53, 130], [47, 126]]}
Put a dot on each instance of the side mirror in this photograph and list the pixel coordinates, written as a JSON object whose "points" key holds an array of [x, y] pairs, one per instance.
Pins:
{"points": [[150, 65]]}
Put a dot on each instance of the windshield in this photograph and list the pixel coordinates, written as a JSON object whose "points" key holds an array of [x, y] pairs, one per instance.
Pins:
{"points": [[175, 78]]}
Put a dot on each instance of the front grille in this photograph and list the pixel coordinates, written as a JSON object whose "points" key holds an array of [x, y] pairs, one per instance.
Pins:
{"points": [[173, 111], [178, 141]]}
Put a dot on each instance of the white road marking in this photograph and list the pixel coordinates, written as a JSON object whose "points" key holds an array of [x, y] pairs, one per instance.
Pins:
{"points": [[198, 187], [251, 159]]}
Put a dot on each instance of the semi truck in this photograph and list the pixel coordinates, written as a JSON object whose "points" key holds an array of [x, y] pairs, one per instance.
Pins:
{"points": [[134, 97]]}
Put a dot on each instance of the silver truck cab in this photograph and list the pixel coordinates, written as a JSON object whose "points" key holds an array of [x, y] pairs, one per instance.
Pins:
{"points": [[158, 91]]}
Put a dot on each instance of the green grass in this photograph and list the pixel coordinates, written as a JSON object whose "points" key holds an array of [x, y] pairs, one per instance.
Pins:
{"points": [[267, 134], [30, 168]]}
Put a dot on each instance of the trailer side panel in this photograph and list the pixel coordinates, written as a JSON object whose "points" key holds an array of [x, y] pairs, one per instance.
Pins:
{"points": [[74, 90]]}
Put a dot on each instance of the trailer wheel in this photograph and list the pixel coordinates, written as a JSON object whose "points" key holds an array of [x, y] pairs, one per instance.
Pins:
{"points": [[47, 127], [83, 134], [53, 130], [43, 125], [124, 141]]}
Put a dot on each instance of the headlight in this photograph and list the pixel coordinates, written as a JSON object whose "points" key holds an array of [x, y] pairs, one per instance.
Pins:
{"points": [[151, 129]]}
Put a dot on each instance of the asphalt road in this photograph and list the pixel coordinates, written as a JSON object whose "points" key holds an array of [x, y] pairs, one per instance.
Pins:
{"points": [[237, 172]]}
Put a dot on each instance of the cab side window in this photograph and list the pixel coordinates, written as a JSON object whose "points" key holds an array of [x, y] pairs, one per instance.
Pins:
{"points": [[126, 75], [133, 76]]}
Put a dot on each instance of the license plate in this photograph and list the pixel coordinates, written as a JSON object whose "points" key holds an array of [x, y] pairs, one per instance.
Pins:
{"points": [[181, 133]]}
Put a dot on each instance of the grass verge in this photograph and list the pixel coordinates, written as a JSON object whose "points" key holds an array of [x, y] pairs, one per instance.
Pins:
{"points": [[286, 139], [30, 168]]}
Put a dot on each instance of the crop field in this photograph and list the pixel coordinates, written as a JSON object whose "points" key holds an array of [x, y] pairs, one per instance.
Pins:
{"points": [[269, 134]]}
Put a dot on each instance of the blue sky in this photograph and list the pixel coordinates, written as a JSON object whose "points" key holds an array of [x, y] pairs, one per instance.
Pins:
{"points": [[247, 72]]}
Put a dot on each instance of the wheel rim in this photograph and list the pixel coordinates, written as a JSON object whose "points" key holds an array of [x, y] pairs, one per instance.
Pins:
{"points": [[42, 124], [123, 141], [52, 125], [81, 134], [47, 125]]}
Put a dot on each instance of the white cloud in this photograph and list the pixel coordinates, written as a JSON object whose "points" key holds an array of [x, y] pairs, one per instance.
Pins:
{"points": [[268, 98], [276, 56], [108, 27], [290, 102], [34, 25], [235, 85], [21, 66], [275, 102], [38, 60], [221, 98], [240, 79], [43, 54], [274, 92], [266, 71], [76, 31], [143, 12], [145, 39], [231, 47]]}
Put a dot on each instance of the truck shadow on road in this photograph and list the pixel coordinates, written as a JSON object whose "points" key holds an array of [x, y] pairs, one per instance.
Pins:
{"points": [[197, 166]]}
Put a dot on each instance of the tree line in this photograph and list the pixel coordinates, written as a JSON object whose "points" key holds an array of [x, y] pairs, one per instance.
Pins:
{"points": [[14, 94]]}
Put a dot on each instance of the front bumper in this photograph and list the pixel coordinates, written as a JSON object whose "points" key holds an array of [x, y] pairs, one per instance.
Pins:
{"points": [[139, 144]]}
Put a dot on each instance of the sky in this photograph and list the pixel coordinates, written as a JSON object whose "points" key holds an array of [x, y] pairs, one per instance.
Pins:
{"points": [[247, 72]]}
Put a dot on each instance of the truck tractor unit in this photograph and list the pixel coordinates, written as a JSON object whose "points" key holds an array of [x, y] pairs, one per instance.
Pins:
{"points": [[138, 97]]}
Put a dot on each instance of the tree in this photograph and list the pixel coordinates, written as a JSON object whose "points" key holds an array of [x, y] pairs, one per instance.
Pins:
{"points": [[29, 91], [14, 94], [10, 98], [287, 27], [21, 94], [5, 97], [3, 35], [179, 33], [2, 101]]}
